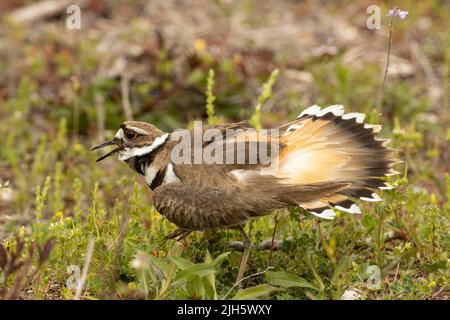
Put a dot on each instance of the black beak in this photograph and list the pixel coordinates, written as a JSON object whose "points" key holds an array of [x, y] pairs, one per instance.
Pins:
{"points": [[105, 144]]}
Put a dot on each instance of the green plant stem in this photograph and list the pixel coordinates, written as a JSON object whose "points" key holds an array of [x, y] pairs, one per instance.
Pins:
{"points": [[381, 93]]}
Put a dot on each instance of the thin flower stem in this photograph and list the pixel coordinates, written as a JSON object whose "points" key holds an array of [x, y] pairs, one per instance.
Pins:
{"points": [[380, 95]]}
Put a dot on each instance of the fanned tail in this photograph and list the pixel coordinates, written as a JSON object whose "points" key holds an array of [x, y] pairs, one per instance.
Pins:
{"points": [[327, 145]]}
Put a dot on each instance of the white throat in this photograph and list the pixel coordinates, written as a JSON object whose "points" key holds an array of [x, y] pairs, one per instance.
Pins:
{"points": [[128, 153]]}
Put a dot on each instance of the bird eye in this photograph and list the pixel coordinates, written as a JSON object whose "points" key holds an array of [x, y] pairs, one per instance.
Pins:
{"points": [[130, 134]]}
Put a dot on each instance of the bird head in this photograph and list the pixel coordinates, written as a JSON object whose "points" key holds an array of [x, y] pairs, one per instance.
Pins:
{"points": [[134, 139]]}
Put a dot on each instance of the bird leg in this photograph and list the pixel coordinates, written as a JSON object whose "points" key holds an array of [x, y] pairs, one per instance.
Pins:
{"points": [[245, 253], [178, 234]]}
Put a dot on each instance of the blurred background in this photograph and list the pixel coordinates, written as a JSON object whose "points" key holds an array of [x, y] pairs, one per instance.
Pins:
{"points": [[64, 90]]}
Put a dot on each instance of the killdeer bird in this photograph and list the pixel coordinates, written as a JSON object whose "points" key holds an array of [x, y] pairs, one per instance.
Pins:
{"points": [[324, 160]]}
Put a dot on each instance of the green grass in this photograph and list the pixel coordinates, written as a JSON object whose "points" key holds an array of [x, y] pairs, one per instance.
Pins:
{"points": [[76, 199], [59, 192]]}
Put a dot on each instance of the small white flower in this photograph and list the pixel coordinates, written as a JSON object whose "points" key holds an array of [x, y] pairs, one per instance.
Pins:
{"points": [[402, 13], [391, 13]]}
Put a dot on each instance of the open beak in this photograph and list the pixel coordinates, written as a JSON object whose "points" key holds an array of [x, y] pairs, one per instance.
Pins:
{"points": [[105, 144]]}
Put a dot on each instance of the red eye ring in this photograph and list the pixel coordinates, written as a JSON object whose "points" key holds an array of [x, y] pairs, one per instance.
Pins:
{"points": [[130, 134]]}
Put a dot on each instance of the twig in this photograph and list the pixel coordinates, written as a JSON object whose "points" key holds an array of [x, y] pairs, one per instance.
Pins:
{"points": [[19, 281], [125, 88], [87, 263], [124, 224], [396, 272], [245, 278], [269, 262], [319, 231], [437, 293], [403, 234]]}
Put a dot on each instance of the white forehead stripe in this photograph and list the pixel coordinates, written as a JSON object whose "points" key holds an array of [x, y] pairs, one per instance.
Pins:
{"points": [[128, 153], [138, 130], [119, 134]]}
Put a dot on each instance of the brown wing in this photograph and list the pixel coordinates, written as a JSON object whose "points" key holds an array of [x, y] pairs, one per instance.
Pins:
{"points": [[200, 207]]}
